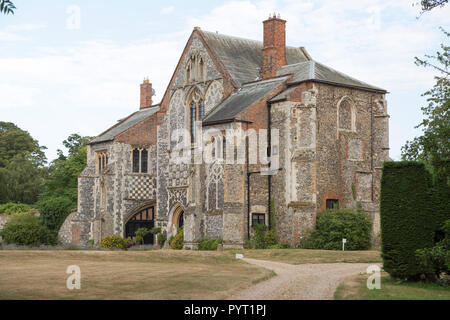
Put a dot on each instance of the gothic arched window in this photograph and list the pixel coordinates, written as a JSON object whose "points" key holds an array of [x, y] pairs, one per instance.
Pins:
{"points": [[346, 116], [197, 111], [195, 68]]}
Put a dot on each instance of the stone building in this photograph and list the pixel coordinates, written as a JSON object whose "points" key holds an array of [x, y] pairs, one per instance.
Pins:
{"points": [[295, 131]]}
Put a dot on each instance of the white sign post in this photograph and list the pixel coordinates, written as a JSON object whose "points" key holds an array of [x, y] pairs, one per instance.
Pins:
{"points": [[343, 244]]}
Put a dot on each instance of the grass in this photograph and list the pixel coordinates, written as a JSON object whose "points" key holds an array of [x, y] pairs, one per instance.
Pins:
{"points": [[354, 288], [302, 256], [158, 274]]}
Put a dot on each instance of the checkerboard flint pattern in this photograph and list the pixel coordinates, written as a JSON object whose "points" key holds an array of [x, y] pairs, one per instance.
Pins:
{"points": [[141, 188]]}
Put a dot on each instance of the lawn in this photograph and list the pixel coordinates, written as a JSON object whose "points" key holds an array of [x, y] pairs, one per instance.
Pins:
{"points": [[159, 274], [354, 288], [302, 256]]}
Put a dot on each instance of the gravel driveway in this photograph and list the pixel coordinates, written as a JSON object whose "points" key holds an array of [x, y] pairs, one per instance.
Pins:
{"points": [[300, 282]]}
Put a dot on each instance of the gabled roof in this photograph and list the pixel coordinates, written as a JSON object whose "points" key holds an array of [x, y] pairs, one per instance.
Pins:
{"points": [[242, 99], [125, 124], [242, 58], [312, 70]]}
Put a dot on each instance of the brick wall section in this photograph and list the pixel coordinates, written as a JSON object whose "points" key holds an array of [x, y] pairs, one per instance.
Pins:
{"points": [[144, 133]]}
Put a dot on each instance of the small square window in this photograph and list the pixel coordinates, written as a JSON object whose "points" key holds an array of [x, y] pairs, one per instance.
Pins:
{"points": [[332, 204], [258, 218]]}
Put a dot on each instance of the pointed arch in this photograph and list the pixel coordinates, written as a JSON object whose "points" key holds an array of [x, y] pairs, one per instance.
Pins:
{"points": [[346, 115]]}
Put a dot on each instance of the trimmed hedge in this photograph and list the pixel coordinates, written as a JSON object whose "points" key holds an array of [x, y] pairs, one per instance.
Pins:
{"points": [[411, 211], [334, 225]]}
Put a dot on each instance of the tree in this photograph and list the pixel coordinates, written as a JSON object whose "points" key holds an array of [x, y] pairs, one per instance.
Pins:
{"points": [[64, 171], [433, 147], [7, 7], [428, 5], [14, 141], [22, 162]]}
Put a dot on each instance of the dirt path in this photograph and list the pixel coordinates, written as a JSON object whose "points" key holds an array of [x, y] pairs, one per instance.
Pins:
{"points": [[300, 282]]}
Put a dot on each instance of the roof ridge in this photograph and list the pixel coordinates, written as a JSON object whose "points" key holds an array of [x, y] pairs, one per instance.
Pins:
{"points": [[241, 38]]}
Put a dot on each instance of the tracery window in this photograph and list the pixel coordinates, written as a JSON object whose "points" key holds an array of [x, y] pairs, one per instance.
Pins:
{"points": [[102, 160], [197, 111], [195, 68], [140, 160]]}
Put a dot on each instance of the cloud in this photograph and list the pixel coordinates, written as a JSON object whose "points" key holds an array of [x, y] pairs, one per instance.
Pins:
{"points": [[90, 75], [168, 10]]}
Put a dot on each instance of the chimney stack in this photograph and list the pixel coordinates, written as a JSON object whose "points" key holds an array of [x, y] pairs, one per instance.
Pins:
{"points": [[274, 49], [146, 94]]}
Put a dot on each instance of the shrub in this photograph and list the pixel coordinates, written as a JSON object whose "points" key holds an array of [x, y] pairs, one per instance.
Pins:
{"points": [[14, 208], [334, 225], [161, 238], [90, 243], [54, 211], [25, 229], [115, 241], [412, 209], [140, 234], [209, 244], [270, 238], [259, 232], [155, 230], [281, 245], [437, 258], [178, 241]]}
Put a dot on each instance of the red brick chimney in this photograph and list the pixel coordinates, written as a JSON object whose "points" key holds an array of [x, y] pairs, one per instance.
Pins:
{"points": [[146, 94], [274, 49]]}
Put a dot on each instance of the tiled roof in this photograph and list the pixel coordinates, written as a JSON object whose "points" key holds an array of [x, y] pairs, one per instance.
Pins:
{"points": [[125, 124], [245, 97], [242, 58], [312, 70]]}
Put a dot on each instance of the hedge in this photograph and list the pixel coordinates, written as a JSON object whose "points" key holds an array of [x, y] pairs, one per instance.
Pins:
{"points": [[412, 209]]}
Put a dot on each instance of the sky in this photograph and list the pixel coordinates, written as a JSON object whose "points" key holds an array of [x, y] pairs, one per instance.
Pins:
{"points": [[75, 66]]}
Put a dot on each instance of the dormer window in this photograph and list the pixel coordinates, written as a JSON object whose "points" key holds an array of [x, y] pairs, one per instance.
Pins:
{"points": [[140, 160]]}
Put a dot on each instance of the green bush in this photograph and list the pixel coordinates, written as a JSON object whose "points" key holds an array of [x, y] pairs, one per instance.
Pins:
{"points": [[437, 258], [14, 208], [155, 230], [270, 238], [140, 234], [259, 233], [115, 241], [412, 209], [161, 239], [209, 244], [26, 229], [334, 225], [54, 211], [178, 241], [90, 243]]}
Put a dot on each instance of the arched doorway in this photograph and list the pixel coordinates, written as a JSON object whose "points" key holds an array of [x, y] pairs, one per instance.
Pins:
{"points": [[142, 219], [176, 219]]}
